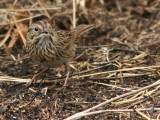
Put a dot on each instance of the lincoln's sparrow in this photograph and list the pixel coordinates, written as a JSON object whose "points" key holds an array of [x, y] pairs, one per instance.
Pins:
{"points": [[51, 47]]}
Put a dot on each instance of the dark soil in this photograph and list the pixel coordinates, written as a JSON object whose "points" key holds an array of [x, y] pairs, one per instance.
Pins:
{"points": [[123, 31]]}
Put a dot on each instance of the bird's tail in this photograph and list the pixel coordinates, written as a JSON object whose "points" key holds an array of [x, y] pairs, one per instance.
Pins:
{"points": [[80, 30]]}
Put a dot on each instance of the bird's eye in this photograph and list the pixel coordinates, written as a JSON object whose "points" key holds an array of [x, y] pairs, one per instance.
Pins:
{"points": [[36, 28]]}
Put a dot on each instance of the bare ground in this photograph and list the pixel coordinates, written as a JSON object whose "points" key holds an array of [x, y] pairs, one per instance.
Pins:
{"points": [[120, 55]]}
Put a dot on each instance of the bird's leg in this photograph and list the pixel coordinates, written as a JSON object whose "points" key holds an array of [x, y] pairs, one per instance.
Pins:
{"points": [[67, 69], [35, 77]]}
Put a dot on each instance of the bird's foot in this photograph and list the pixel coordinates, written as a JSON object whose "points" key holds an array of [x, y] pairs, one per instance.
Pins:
{"points": [[33, 80]]}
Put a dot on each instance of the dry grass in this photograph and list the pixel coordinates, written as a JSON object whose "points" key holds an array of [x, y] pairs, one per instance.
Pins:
{"points": [[115, 73]]}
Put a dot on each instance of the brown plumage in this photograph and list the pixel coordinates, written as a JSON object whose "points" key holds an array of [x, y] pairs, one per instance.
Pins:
{"points": [[51, 47]]}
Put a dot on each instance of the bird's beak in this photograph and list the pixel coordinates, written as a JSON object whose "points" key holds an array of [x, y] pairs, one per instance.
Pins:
{"points": [[45, 30]]}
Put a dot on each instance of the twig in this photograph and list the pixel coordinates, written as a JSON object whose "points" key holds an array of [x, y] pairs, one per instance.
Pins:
{"points": [[120, 70], [83, 113], [36, 93], [113, 111], [17, 21], [114, 86], [82, 47], [119, 7], [82, 72], [119, 77], [74, 14], [139, 96], [20, 32], [143, 115], [125, 50], [46, 13], [7, 36], [158, 116], [152, 110], [81, 54], [31, 9], [13, 79], [143, 100]]}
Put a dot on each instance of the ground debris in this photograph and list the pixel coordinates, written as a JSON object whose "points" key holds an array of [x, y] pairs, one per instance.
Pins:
{"points": [[120, 55]]}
